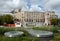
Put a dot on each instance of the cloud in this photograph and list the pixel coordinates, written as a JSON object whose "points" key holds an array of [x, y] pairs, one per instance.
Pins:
{"points": [[7, 5], [26, 8], [34, 2], [25, 5], [35, 8], [52, 4], [16, 3], [29, 5]]}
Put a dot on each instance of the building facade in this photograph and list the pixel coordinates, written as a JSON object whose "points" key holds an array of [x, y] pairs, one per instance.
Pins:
{"points": [[40, 17]]}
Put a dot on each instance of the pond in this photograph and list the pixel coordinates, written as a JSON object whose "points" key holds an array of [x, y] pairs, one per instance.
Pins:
{"points": [[13, 33], [41, 35]]}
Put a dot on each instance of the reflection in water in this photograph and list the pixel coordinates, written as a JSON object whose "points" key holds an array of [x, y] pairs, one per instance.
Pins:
{"points": [[45, 39]]}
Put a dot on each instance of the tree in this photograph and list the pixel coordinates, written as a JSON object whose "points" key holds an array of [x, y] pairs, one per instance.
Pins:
{"points": [[1, 20], [54, 21], [58, 20], [6, 19]]}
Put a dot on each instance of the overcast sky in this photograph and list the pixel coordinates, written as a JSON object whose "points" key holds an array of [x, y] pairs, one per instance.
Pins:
{"points": [[30, 5]]}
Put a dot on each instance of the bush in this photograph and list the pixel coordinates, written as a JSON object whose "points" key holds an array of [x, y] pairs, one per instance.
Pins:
{"points": [[3, 30], [6, 19], [52, 29]]}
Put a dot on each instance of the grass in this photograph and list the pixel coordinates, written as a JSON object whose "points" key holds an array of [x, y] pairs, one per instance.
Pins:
{"points": [[52, 29], [26, 36], [47, 28], [56, 37], [3, 38]]}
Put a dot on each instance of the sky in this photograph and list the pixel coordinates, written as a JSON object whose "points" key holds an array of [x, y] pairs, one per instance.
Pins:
{"points": [[30, 5]]}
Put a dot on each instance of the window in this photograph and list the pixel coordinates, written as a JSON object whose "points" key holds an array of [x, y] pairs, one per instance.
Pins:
{"points": [[18, 23], [16, 12]]}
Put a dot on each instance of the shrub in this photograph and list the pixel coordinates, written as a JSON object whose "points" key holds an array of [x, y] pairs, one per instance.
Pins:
{"points": [[3, 30], [52, 29]]}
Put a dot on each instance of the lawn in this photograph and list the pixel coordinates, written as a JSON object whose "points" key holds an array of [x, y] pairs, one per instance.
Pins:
{"points": [[26, 36], [52, 29]]}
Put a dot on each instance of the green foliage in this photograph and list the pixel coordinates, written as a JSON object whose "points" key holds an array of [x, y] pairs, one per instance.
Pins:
{"points": [[56, 37], [3, 30], [53, 29], [26, 36], [54, 21], [58, 20], [6, 19], [1, 20], [21, 38]]}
